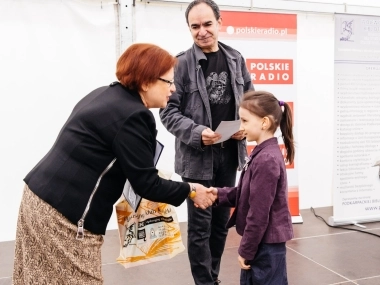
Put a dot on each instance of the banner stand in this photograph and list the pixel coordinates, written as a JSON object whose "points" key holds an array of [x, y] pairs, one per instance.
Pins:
{"points": [[356, 221], [268, 42], [297, 219], [293, 198], [356, 153]]}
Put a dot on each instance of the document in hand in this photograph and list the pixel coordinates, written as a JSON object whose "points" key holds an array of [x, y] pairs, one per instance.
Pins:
{"points": [[227, 129], [130, 195]]}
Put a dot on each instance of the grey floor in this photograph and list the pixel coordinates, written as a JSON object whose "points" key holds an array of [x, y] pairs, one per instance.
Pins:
{"points": [[317, 255]]}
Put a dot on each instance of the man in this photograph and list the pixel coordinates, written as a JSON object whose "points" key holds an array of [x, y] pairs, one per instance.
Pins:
{"points": [[210, 79]]}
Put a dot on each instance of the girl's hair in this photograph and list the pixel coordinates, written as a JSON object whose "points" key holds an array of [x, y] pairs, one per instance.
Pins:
{"points": [[143, 63], [264, 104]]}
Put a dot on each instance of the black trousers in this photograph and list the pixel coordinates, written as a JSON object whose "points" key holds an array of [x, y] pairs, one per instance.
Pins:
{"points": [[207, 232]]}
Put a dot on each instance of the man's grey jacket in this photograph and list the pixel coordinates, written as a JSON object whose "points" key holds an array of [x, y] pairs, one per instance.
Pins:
{"points": [[188, 111]]}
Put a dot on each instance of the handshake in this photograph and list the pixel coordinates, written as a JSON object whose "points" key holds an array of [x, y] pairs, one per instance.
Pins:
{"points": [[204, 197]]}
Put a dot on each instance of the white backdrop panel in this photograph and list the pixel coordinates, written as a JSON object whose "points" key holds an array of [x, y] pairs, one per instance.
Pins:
{"points": [[315, 84], [52, 53], [314, 78]]}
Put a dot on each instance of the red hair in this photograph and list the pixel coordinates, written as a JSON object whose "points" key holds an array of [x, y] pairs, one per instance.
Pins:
{"points": [[143, 64]]}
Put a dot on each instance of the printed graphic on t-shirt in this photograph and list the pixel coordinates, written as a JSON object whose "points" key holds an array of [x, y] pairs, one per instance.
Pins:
{"points": [[217, 88]]}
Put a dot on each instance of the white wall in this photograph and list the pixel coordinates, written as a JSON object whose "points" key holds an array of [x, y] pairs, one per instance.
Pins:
{"points": [[54, 52], [364, 7], [315, 67], [315, 58]]}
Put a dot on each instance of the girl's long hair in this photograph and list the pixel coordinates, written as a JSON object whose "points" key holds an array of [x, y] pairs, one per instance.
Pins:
{"points": [[265, 104]]}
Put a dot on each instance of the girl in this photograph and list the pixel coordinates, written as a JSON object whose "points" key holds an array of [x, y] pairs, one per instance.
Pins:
{"points": [[261, 212]]}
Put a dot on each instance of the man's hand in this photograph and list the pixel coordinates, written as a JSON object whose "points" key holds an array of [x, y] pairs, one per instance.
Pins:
{"points": [[209, 137], [204, 197], [238, 136], [242, 263]]}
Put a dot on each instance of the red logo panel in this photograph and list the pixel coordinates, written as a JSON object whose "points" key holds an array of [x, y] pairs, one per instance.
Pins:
{"points": [[271, 71]]}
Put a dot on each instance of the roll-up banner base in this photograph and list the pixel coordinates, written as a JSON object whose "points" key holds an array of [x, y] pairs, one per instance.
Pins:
{"points": [[357, 220]]}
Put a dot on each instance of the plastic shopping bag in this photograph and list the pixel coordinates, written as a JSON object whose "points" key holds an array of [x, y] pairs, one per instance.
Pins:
{"points": [[150, 234]]}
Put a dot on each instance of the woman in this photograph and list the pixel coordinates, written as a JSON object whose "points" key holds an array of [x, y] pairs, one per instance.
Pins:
{"points": [[69, 195]]}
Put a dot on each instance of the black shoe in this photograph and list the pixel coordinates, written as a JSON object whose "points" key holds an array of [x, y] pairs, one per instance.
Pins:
{"points": [[217, 282]]}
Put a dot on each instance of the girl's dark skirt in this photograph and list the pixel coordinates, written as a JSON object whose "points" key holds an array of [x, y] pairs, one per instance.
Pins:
{"points": [[47, 251], [268, 266]]}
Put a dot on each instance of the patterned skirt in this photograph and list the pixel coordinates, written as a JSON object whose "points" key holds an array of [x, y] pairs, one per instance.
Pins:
{"points": [[47, 251]]}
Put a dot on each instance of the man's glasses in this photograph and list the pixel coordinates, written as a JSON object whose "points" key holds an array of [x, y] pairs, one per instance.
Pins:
{"points": [[170, 82]]}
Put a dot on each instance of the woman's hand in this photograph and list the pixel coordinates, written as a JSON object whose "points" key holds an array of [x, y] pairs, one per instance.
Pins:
{"points": [[204, 197]]}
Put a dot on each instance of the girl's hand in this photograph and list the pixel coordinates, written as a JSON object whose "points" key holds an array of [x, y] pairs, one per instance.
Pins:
{"points": [[242, 263]]}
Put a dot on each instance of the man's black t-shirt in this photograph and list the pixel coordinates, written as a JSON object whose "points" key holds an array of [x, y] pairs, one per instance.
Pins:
{"points": [[218, 84]]}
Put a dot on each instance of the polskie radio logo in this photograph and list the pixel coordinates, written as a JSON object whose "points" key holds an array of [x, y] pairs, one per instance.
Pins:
{"points": [[256, 31]]}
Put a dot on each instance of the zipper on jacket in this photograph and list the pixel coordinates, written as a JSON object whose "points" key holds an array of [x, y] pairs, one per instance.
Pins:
{"points": [[80, 231]]}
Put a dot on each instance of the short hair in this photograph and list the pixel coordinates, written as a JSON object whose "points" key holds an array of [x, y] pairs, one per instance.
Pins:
{"points": [[210, 3], [143, 63]]}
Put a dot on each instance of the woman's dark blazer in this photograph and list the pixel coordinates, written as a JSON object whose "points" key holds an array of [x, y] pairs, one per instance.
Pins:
{"points": [[110, 122]]}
